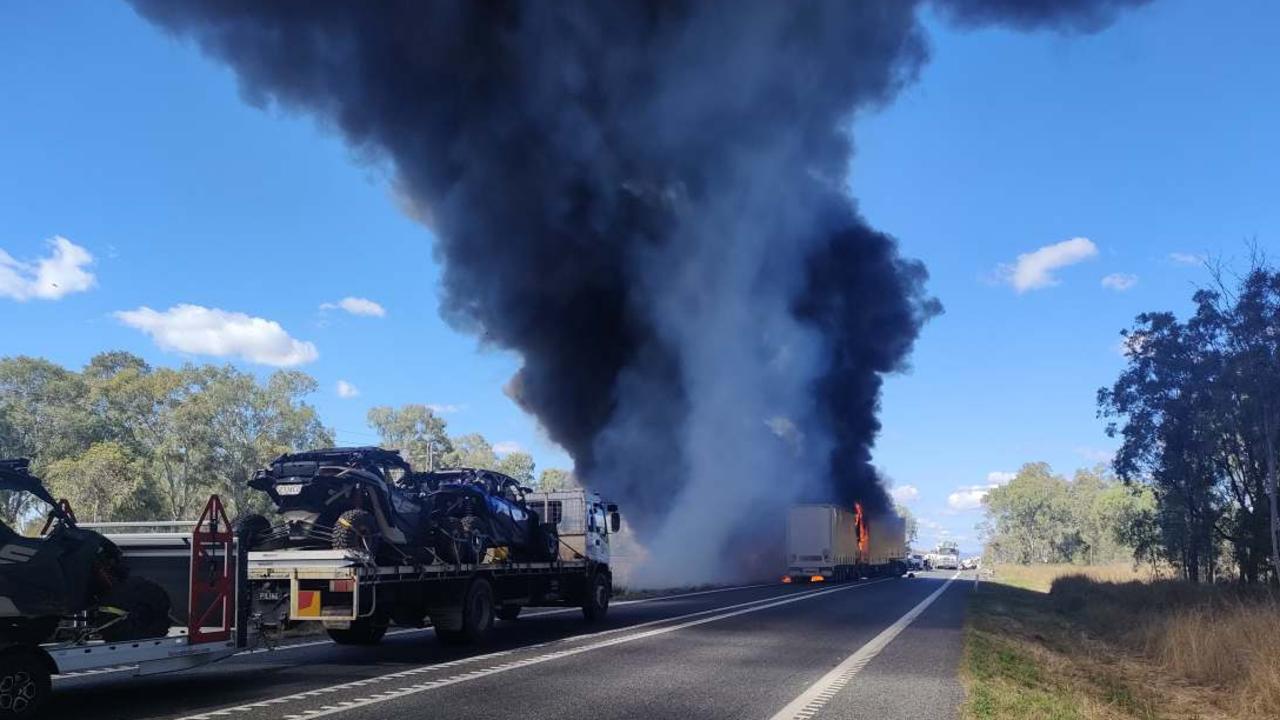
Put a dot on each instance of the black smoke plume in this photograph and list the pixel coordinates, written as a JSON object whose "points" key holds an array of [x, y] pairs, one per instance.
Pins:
{"points": [[647, 201]]}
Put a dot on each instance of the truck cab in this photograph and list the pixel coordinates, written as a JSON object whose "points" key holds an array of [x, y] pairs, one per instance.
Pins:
{"points": [[583, 522]]}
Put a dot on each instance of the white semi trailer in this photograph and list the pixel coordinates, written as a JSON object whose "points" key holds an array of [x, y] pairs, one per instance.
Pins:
{"points": [[832, 543]]}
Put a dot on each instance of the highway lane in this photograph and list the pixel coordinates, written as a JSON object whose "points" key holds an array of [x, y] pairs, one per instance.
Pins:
{"points": [[738, 653]]}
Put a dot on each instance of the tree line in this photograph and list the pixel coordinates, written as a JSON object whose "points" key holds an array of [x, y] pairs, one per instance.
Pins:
{"points": [[1042, 517], [123, 440], [1197, 409]]}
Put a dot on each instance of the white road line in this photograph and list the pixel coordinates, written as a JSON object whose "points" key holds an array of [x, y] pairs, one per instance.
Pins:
{"points": [[361, 701], [820, 693], [407, 631]]}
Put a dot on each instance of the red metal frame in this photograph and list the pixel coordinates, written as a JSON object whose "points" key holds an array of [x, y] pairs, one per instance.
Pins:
{"points": [[213, 575]]}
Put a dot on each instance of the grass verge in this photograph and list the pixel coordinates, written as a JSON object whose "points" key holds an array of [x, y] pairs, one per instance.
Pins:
{"points": [[1091, 645]]}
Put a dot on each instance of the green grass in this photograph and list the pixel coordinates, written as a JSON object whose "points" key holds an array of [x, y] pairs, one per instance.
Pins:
{"points": [[1006, 681], [1024, 658]]}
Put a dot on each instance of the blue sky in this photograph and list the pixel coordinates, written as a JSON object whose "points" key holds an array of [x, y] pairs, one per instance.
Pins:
{"points": [[1154, 138]]}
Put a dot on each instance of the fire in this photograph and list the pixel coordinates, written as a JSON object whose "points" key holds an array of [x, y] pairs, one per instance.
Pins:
{"points": [[861, 523]]}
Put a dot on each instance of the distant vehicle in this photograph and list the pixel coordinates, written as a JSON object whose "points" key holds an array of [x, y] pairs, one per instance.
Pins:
{"points": [[945, 557], [968, 563], [915, 561], [831, 543]]}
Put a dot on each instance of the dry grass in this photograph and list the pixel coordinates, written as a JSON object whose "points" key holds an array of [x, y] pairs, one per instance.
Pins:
{"points": [[1102, 644], [1041, 577]]}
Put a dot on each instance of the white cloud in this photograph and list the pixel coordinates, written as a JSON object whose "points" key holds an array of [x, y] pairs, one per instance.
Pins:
{"points": [[998, 477], [1095, 455], [1187, 258], [969, 497], [445, 409], [1034, 270], [1119, 281], [357, 306], [347, 390], [60, 273], [507, 446], [209, 331], [904, 494]]}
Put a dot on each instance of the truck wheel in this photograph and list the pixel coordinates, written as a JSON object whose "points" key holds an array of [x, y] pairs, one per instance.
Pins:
{"points": [[509, 613], [24, 684], [477, 615], [596, 604], [363, 631], [356, 530]]}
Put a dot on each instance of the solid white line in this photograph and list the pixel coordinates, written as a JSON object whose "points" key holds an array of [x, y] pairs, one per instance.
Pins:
{"points": [[407, 631], [818, 694], [560, 654], [733, 610]]}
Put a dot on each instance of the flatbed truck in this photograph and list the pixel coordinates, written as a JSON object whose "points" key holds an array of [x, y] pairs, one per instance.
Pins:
{"points": [[356, 600]]}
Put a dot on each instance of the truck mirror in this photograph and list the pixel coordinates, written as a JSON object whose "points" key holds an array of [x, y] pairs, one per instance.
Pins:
{"points": [[615, 521]]}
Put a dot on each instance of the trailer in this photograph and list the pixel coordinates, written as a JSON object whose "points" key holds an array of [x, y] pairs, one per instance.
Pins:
{"points": [[830, 543], [356, 599], [203, 572]]}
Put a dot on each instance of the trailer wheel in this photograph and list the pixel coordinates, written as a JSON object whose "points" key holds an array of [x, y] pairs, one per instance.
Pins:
{"points": [[477, 615], [596, 604], [356, 530], [24, 684], [509, 613], [363, 631], [140, 609]]}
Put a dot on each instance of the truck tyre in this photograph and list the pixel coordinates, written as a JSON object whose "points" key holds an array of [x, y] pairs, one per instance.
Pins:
{"points": [[24, 684], [477, 615], [509, 613], [144, 607], [363, 631], [249, 529], [356, 530], [596, 603]]}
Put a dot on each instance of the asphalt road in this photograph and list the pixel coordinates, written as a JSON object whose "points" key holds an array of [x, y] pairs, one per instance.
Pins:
{"points": [[883, 649]]}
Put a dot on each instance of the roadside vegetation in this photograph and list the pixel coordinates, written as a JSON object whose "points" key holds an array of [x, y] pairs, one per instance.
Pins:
{"points": [[1190, 628], [1065, 642], [122, 440]]}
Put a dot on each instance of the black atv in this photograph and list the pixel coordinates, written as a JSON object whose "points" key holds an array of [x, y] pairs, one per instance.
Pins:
{"points": [[370, 499], [361, 498], [476, 510], [67, 573]]}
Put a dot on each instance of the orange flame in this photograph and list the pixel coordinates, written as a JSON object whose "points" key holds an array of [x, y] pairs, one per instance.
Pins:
{"points": [[861, 523]]}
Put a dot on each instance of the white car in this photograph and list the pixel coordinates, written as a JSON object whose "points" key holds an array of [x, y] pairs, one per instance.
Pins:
{"points": [[915, 562]]}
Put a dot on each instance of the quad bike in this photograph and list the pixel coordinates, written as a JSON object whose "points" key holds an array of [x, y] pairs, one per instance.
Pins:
{"points": [[370, 499], [69, 573], [476, 510]]}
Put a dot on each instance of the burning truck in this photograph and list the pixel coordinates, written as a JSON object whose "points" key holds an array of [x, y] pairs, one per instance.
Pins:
{"points": [[829, 543]]}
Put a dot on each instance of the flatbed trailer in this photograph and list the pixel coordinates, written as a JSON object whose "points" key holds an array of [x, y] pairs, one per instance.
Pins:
{"points": [[356, 600], [213, 626]]}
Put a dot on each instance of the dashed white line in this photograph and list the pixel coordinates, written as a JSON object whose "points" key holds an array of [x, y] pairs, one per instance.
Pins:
{"points": [[817, 695], [407, 631], [711, 615]]}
